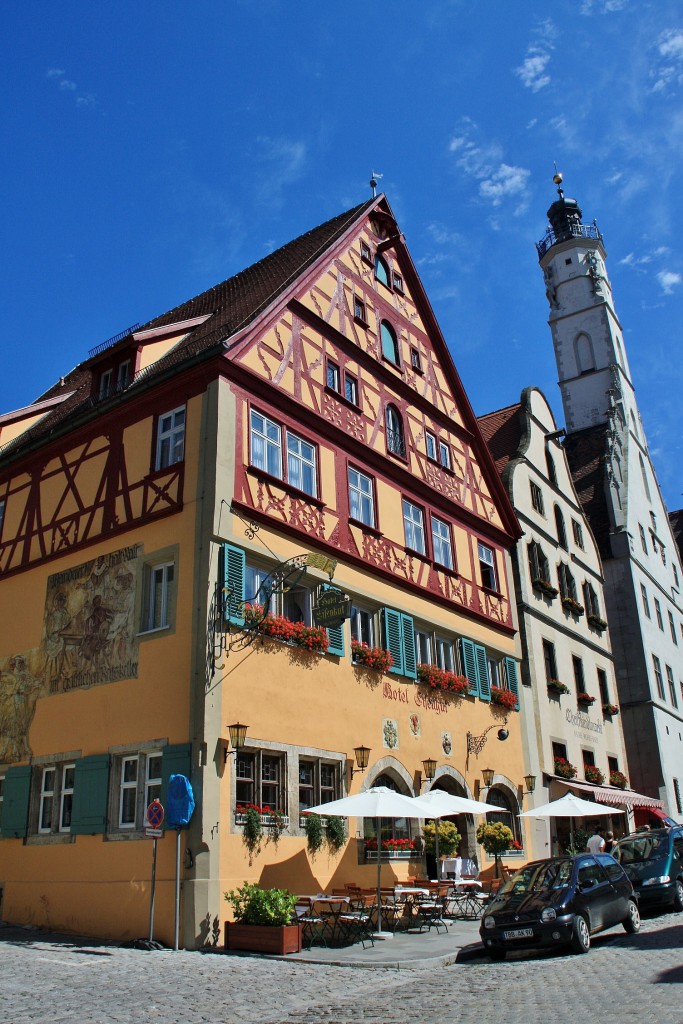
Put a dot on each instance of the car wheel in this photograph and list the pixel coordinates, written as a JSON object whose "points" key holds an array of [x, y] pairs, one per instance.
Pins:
{"points": [[678, 895], [581, 936], [497, 954], [632, 920]]}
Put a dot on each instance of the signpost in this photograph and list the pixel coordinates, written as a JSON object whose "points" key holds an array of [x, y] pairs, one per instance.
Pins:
{"points": [[332, 609], [154, 820]]}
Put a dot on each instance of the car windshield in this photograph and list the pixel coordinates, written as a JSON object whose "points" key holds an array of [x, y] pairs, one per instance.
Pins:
{"points": [[543, 875], [638, 849]]}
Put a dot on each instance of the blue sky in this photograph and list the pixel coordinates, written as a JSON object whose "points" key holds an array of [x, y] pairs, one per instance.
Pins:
{"points": [[153, 149]]}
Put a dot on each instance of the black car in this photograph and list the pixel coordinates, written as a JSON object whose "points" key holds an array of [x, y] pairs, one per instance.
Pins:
{"points": [[559, 901], [654, 862]]}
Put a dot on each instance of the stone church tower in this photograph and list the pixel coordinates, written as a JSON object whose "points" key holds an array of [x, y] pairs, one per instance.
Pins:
{"points": [[617, 486]]}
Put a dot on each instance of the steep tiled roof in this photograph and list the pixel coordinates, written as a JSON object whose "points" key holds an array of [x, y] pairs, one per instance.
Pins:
{"points": [[230, 306], [586, 456], [502, 432]]}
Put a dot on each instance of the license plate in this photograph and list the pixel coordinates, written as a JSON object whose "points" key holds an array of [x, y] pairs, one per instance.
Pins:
{"points": [[519, 933]]}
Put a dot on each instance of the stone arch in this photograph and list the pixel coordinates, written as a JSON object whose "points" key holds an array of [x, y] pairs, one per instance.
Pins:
{"points": [[507, 789], [584, 354], [452, 781], [392, 767], [395, 772]]}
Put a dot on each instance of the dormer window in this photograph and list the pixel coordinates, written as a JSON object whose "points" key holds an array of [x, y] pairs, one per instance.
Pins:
{"points": [[123, 375], [105, 383]]}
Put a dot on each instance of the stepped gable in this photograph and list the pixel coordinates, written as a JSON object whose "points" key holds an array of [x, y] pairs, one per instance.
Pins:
{"points": [[586, 451], [502, 432]]}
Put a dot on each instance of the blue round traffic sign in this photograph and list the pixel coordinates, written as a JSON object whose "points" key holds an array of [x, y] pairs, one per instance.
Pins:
{"points": [[155, 814]]}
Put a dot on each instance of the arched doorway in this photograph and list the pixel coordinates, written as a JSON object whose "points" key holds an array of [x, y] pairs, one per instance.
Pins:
{"points": [[463, 822]]}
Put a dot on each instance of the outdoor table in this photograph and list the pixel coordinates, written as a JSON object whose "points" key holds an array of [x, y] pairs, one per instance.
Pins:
{"points": [[458, 866]]}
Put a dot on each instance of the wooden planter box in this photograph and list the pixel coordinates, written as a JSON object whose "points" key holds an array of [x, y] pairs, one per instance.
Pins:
{"points": [[279, 939]]}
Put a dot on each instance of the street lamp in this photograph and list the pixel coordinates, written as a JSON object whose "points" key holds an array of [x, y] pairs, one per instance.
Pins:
{"points": [[487, 775], [429, 765], [362, 755], [530, 782], [238, 734]]}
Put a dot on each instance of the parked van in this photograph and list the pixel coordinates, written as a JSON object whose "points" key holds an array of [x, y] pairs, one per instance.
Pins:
{"points": [[654, 863]]}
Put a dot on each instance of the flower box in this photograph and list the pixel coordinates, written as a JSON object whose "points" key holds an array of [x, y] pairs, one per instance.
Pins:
{"points": [[440, 679], [392, 855], [259, 938], [585, 698], [302, 821], [618, 779], [371, 657], [609, 710], [572, 606], [277, 627], [597, 622], [556, 688], [268, 819], [503, 698], [564, 768], [593, 774], [545, 587]]}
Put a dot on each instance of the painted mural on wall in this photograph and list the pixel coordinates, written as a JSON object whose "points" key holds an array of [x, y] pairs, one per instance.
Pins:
{"points": [[89, 637]]}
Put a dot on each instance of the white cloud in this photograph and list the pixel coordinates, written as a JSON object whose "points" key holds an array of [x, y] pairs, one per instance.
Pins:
{"points": [[498, 180], [532, 70], [286, 159], [505, 181], [670, 44], [67, 85], [602, 6], [670, 71], [668, 281]]}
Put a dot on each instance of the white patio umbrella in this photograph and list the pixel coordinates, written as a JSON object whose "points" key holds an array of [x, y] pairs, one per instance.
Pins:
{"points": [[571, 806], [378, 802], [437, 803]]}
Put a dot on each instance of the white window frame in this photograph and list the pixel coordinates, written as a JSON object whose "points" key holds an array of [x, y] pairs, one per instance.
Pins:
{"points": [[125, 787], [430, 445], [152, 781], [413, 524], [362, 490], [106, 379], [424, 649], [66, 797], [444, 454], [363, 624], [487, 566], [47, 798], [332, 376], [268, 434], [302, 470], [445, 654], [351, 388], [171, 438], [442, 544], [157, 609]]}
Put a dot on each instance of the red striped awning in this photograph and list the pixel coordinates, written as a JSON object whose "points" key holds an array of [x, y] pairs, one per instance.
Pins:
{"points": [[612, 794]]}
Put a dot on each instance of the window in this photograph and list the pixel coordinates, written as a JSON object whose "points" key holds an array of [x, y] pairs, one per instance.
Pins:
{"points": [[350, 389], [430, 443], [588, 759], [395, 443], [567, 582], [260, 778], [658, 676], [578, 533], [549, 660], [123, 375], [301, 465], [365, 253], [538, 563], [445, 658], [561, 532], [105, 383], [413, 523], [398, 283], [672, 686], [359, 310], [318, 783], [537, 497], [415, 361], [672, 627], [590, 600], [673, 564], [423, 647], [559, 751], [579, 679], [55, 799], [495, 673], [441, 543], [152, 779], [297, 605], [612, 763], [363, 625], [391, 828], [159, 597], [389, 342], [171, 438], [381, 270], [643, 539], [361, 497], [47, 796], [550, 463], [487, 566], [658, 613], [444, 455], [506, 813], [128, 792], [332, 376], [266, 445], [677, 795], [646, 603], [603, 687]]}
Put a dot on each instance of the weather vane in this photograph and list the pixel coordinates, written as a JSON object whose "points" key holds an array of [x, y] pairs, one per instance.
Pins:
{"points": [[373, 182]]}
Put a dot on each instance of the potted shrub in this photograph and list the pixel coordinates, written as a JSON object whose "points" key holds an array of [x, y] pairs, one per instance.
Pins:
{"points": [[496, 838], [449, 838], [556, 688], [617, 778], [593, 774], [564, 769], [263, 920], [503, 698]]}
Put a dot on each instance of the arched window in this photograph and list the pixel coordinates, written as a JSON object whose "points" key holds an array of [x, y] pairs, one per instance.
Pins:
{"points": [[392, 828], [561, 532], [550, 463], [381, 270], [585, 360], [389, 342], [395, 440], [506, 812]]}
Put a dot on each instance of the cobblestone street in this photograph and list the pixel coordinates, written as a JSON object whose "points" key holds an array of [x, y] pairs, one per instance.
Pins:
{"points": [[623, 978]]}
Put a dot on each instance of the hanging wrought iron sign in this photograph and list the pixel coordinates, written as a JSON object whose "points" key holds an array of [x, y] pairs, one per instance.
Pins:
{"points": [[332, 609]]}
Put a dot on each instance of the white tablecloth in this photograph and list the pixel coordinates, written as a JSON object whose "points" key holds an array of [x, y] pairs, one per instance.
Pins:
{"points": [[458, 866]]}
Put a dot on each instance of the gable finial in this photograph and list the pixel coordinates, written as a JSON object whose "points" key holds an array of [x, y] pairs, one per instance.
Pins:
{"points": [[557, 178], [373, 183]]}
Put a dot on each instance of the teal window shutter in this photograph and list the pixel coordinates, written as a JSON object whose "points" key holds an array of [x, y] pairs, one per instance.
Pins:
{"points": [[91, 795], [469, 663], [483, 672], [335, 636], [513, 681], [16, 795], [175, 760], [409, 658], [234, 571], [393, 639]]}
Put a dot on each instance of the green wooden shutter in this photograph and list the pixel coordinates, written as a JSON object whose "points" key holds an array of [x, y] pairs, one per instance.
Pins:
{"points": [[409, 658], [175, 760], [91, 795], [234, 571], [335, 635], [483, 672], [469, 663], [513, 682], [16, 795], [393, 638]]}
